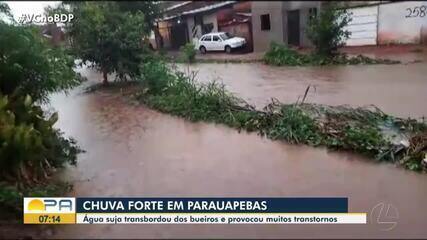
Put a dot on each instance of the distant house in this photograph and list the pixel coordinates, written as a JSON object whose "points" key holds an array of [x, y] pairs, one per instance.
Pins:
{"points": [[387, 22], [373, 22], [261, 22], [53, 33], [187, 21], [282, 22], [238, 22]]}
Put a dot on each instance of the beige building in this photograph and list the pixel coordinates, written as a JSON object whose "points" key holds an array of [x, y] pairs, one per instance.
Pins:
{"points": [[282, 22], [261, 22], [373, 22]]}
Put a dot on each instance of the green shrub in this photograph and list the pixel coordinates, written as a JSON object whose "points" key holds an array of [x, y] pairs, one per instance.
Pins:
{"points": [[109, 34], [30, 149], [280, 55], [367, 140], [295, 126], [156, 76], [29, 145], [185, 98], [29, 71], [29, 66], [189, 52], [326, 31]]}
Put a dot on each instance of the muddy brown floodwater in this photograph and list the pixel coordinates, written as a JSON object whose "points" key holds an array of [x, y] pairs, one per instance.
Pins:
{"points": [[397, 89], [135, 151]]}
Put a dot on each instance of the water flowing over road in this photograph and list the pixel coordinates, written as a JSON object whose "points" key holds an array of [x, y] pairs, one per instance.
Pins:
{"points": [[135, 151], [396, 89]]}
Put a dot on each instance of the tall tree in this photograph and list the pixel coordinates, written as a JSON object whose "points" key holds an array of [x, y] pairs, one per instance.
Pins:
{"points": [[28, 65], [151, 9], [109, 36], [30, 70]]}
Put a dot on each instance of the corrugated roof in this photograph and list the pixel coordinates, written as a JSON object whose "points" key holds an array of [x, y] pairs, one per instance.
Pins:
{"points": [[244, 14], [202, 9], [177, 5]]}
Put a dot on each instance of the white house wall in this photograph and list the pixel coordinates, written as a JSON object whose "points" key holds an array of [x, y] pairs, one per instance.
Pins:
{"points": [[363, 26], [402, 22], [211, 18], [262, 38]]}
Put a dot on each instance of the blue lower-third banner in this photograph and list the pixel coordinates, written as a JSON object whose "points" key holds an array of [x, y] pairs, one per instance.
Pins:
{"points": [[190, 211]]}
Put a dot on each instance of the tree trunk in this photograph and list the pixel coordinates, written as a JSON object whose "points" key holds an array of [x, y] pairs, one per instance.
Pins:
{"points": [[105, 77]]}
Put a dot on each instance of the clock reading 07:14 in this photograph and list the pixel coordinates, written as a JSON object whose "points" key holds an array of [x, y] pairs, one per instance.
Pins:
{"points": [[49, 219]]}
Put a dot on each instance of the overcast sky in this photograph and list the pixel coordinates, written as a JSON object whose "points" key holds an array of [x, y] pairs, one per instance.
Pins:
{"points": [[18, 8]]}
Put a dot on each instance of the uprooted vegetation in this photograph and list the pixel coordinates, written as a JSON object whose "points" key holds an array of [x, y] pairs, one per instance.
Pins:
{"points": [[280, 55], [367, 131]]}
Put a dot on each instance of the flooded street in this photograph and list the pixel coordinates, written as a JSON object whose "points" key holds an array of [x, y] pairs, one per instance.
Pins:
{"points": [[135, 151], [396, 89]]}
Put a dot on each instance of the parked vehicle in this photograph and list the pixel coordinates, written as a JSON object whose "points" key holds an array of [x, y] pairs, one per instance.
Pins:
{"points": [[219, 41]]}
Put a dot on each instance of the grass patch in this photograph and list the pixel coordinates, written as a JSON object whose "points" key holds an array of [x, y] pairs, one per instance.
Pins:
{"points": [[367, 131], [280, 55]]}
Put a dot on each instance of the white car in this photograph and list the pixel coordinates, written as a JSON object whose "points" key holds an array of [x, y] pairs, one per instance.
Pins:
{"points": [[219, 41]]}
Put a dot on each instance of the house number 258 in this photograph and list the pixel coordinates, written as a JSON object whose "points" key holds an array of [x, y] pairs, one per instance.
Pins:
{"points": [[419, 11]]}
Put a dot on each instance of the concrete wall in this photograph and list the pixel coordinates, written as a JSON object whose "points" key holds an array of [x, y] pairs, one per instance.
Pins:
{"points": [[363, 26], [402, 22], [198, 30], [279, 23], [262, 38], [211, 18], [304, 7]]}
